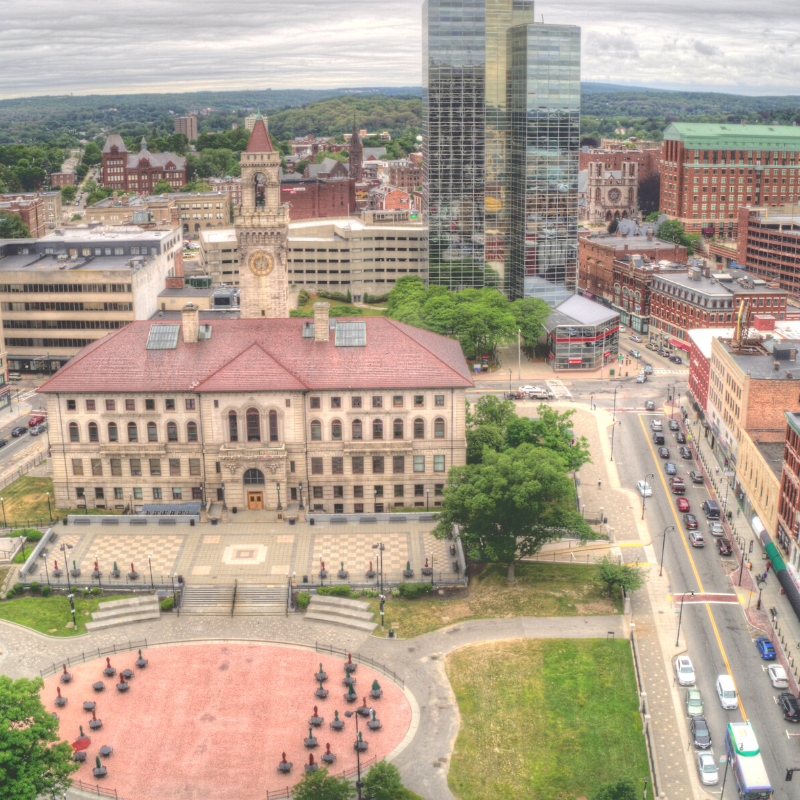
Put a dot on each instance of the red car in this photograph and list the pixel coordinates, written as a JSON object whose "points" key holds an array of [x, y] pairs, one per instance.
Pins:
{"points": [[724, 547], [38, 420], [683, 504]]}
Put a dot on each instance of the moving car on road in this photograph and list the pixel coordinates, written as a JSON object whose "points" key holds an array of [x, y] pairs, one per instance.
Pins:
{"points": [[657, 425], [37, 429], [36, 420], [19, 431], [644, 489], [765, 648], [635, 338], [724, 546], [676, 359], [641, 378], [701, 735], [690, 521], [683, 504], [778, 677], [670, 468], [696, 476], [684, 671], [678, 486], [651, 346], [635, 353], [696, 539], [663, 452]]}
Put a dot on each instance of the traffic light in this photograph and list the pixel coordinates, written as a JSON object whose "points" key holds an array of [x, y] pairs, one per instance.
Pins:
{"points": [[789, 773]]}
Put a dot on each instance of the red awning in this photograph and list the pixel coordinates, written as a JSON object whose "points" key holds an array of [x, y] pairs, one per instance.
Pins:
{"points": [[606, 354], [683, 345], [576, 361]]}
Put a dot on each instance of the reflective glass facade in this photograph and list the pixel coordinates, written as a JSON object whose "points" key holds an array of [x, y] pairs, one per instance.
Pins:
{"points": [[544, 139]]}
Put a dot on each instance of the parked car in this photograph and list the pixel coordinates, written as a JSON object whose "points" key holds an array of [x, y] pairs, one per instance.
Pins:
{"points": [[726, 692], [676, 359], [19, 431], [686, 453], [765, 648], [684, 671], [700, 732], [696, 476], [677, 484], [690, 521], [664, 353], [716, 529], [680, 438], [635, 338], [670, 468], [657, 425], [683, 504], [36, 420], [673, 425], [707, 769], [778, 677], [644, 489], [663, 452], [635, 353], [37, 429], [790, 705], [651, 346], [641, 378], [694, 703], [696, 539], [650, 405], [725, 547], [3, 442]]}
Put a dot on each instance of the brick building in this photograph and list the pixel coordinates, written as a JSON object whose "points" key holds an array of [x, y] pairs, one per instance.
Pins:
{"points": [[64, 178], [318, 198], [789, 502], [596, 255], [187, 126], [709, 170], [699, 298], [159, 412], [140, 172], [29, 210], [233, 186], [648, 162], [758, 481], [768, 244], [405, 174], [700, 361], [387, 198], [51, 208]]}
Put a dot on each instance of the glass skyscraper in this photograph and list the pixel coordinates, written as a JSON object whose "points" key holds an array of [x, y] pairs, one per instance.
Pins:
{"points": [[470, 81]]}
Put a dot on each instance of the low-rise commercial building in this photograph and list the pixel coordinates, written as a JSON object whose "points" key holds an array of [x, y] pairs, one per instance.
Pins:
{"points": [[582, 335], [405, 173], [758, 482], [63, 292], [700, 363], [768, 244]]}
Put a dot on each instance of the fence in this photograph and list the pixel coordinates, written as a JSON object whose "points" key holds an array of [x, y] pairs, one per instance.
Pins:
{"points": [[72, 583], [651, 753], [347, 773], [9, 477], [91, 655], [359, 659], [95, 788]]}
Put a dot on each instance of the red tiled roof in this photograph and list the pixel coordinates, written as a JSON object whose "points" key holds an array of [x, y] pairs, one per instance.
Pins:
{"points": [[259, 139], [265, 355]]}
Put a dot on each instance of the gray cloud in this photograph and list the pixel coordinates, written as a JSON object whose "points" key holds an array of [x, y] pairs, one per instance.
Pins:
{"points": [[84, 46]]}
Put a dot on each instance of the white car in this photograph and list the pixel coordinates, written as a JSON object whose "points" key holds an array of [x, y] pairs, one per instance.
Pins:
{"points": [[644, 489], [684, 671], [635, 338], [707, 769], [778, 677]]}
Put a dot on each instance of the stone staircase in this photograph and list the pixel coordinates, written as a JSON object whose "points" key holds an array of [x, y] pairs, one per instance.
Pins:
{"points": [[251, 599], [341, 611], [122, 612]]}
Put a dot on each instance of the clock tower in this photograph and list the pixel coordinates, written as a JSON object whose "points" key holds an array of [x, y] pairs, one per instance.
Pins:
{"points": [[262, 229]]}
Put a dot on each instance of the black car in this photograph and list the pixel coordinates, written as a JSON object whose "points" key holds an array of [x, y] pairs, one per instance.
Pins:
{"points": [[3, 442], [19, 431], [690, 521], [686, 453], [680, 438], [790, 705], [676, 359], [664, 353], [673, 425], [697, 477], [700, 732], [663, 452]]}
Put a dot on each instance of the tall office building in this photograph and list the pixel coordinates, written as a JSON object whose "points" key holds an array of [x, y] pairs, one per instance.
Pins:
{"points": [[485, 63]]}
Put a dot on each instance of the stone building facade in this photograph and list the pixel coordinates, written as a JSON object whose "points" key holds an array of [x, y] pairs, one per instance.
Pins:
{"points": [[258, 413], [611, 194]]}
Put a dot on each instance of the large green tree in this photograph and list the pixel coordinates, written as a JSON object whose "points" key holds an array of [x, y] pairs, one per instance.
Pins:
{"points": [[33, 762], [92, 154], [623, 789], [12, 227], [321, 786], [628, 577], [383, 783], [672, 230], [551, 430], [530, 315], [162, 187], [68, 193], [512, 504]]}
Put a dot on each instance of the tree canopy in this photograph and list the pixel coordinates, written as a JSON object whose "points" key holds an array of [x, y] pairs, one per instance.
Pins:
{"points": [[672, 230], [33, 762], [68, 193], [12, 227], [162, 187], [382, 782], [321, 786], [629, 577]]}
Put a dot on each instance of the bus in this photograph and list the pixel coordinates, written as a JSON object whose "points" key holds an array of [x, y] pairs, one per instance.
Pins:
{"points": [[746, 762]]}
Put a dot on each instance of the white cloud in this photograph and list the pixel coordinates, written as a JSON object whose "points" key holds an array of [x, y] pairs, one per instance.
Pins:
{"points": [[85, 46]]}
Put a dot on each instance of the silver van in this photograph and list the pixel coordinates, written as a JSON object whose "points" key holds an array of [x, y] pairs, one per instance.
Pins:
{"points": [[726, 692], [657, 425]]}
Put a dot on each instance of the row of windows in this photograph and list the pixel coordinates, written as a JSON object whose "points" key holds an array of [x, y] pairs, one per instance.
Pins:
{"points": [[93, 432], [21, 342], [135, 466], [377, 401], [252, 429], [130, 405], [64, 324], [357, 429], [176, 493], [378, 464], [67, 306], [80, 288]]}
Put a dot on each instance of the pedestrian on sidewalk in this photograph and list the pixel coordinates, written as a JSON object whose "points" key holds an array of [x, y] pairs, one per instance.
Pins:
{"points": [[717, 469], [769, 565], [764, 576], [600, 483]]}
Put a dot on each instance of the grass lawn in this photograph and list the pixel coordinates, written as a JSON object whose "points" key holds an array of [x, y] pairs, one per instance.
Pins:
{"points": [[541, 590], [50, 614], [365, 312], [26, 503], [545, 719]]}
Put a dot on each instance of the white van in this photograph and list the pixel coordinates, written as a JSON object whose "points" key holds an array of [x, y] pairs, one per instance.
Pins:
{"points": [[726, 692], [657, 425]]}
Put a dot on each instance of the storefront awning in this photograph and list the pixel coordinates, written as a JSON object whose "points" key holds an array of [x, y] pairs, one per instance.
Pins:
{"points": [[678, 343], [576, 361]]}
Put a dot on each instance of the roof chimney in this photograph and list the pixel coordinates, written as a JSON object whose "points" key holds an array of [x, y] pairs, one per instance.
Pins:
{"points": [[321, 330], [191, 323], [649, 234]]}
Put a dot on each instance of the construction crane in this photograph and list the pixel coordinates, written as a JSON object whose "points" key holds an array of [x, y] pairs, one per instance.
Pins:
{"points": [[742, 325]]}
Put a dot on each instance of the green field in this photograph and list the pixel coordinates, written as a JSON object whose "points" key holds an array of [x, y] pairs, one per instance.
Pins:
{"points": [[545, 719], [50, 615]]}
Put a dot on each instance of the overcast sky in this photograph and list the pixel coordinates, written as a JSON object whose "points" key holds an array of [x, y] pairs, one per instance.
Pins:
{"points": [[90, 46]]}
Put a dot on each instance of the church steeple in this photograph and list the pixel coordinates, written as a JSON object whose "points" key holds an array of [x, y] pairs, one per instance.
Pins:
{"points": [[356, 156]]}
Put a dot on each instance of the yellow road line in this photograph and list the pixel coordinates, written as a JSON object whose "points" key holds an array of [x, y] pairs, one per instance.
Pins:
{"points": [[691, 561], [629, 544]]}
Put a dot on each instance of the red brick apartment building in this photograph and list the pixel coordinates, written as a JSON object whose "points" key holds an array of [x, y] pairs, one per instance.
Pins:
{"points": [[768, 244], [140, 172], [649, 161]]}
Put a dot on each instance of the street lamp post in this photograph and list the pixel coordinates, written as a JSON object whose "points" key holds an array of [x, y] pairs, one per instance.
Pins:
{"points": [[680, 616], [3, 504], [359, 783], [509, 381], [380, 548], [761, 584], [171, 576], [150, 564], [661, 569], [644, 490], [63, 549], [519, 353], [49, 509], [300, 507], [278, 487], [427, 499], [614, 417], [72, 606]]}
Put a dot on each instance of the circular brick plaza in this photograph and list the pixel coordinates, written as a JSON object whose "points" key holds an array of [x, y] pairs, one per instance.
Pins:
{"points": [[210, 721]]}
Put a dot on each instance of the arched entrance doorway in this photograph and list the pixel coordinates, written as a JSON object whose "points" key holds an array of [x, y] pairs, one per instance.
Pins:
{"points": [[254, 489]]}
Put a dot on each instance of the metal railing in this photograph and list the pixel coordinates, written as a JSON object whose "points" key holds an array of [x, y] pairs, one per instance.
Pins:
{"points": [[91, 655], [347, 773], [651, 753], [94, 788], [233, 599], [9, 477], [359, 659]]}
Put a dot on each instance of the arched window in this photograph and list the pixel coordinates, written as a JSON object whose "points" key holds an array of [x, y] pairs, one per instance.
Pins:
{"points": [[419, 428], [398, 429], [74, 432], [233, 426], [93, 434], [273, 426], [152, 432], [316, 430], [336, 430], [357, 429], [191, 432], [172, 432], [133, 433], [113, 435], [254, 477], [438, 428], [377, 429], [253, 425]]}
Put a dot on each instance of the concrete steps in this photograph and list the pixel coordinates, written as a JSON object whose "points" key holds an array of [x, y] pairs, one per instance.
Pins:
{"points": [[207, 599], [251, 600], [255, 600], [341, 611], [123, 612]]}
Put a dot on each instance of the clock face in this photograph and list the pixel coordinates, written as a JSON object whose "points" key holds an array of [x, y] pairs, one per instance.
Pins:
{"points": [[260, 262], [614, 195]]}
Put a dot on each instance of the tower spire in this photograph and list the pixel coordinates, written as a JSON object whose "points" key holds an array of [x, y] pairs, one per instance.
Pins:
{"points": [[356, 156]]}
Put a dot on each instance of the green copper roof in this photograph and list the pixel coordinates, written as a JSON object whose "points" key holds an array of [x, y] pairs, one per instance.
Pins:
{"points": [[716, 136]]}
